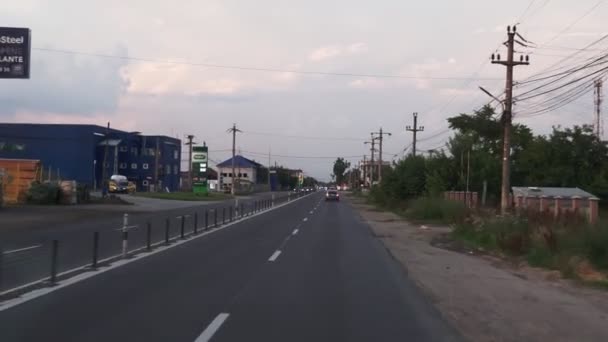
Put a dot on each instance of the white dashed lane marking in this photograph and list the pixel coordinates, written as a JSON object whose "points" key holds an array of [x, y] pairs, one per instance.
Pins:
{"points": [[295, 231], [274, 256], [212, 328]]}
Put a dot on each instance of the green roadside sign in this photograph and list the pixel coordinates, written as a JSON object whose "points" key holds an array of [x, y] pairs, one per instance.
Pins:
{"points": [[199, 169]]}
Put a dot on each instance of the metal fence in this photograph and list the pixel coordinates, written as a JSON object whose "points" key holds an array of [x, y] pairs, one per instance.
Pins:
{"points": [[45, 263]]}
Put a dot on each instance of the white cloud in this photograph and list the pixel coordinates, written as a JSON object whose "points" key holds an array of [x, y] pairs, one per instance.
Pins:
{"points": [[452, 61], [323, 53], [328, 52], [366, 83]]}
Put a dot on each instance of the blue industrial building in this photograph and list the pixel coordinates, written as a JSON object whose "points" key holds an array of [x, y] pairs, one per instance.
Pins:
{"points": [[77, 152]]}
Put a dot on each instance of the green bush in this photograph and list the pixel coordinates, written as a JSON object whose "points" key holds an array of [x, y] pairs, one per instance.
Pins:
{"points": [[595, 244], [437, 209], [512, 233], [43, 193]]}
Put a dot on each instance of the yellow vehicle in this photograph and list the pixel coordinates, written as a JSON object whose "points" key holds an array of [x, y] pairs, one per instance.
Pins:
{"points": [[120, 185]]}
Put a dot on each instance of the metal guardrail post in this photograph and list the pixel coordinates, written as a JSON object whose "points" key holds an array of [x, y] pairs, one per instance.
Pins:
{"points": [[167, 225], [182, 231], [223, 215], [215, 218], [125, 235], [1, 267], [195, 223], [54, 261], [241, 210], [230, 215], [95, 250], [149, 236], [206, 219]]}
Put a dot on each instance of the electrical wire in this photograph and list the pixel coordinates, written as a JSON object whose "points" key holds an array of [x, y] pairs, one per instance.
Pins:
{"points": [[304, 137], [249, 68]]}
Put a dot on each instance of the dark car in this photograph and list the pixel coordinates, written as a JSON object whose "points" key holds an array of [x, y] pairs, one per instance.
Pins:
{"points": [[332, 195]]}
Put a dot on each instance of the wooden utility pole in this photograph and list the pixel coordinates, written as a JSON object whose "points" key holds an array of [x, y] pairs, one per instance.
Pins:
{"points": [[189, 144], [380, 139], [233, 130], [507, 114], [414, 129]]}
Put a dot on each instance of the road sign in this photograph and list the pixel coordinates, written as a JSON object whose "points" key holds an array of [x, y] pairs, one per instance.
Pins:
{"points": [[15, 52], [199, 169]]}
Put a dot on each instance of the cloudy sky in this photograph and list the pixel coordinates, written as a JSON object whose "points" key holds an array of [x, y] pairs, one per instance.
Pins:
{"points": [[159, 67]]}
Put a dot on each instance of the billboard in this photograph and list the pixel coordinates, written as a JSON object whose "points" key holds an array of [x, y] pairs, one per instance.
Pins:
{"points": [[15, 46]]}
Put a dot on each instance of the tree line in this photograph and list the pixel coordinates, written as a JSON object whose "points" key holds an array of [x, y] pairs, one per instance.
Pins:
{"points": [[567, 157]]}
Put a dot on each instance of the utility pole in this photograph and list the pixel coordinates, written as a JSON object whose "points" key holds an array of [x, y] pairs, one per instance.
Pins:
{"points": [[364, 170], [507, 113], [414, 129], [104, 184], [380, 138], [190, 143], [372, 164], [234, 131], [598, 99], [275, 169]]}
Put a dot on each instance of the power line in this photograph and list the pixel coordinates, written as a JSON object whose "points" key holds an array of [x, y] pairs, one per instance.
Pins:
{"points": [[303, 137], [572, 24], [261, 69], [521, 17]]}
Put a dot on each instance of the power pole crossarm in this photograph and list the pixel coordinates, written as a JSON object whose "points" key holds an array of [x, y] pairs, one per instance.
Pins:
{"points": [[414, 129], [507, 115]]}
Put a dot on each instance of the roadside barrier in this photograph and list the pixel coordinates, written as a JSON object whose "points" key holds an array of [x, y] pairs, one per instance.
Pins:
{"points": [[48, 262]]}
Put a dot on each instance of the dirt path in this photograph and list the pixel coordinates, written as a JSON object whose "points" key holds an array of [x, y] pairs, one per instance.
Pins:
{"points": [[484, 298]]}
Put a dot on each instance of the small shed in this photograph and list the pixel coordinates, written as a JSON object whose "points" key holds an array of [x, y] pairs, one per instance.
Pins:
{"points": [[556, 199]]}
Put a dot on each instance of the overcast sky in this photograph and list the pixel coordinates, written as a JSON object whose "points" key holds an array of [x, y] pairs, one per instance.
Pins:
{"points": [[436, 39]]}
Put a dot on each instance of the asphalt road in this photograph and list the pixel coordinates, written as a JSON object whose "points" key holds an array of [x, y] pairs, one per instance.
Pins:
{"points": [[308, 271], [23, 265]]}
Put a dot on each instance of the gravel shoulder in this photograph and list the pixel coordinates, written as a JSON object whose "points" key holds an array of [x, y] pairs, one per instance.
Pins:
{"points": [[485, 298]]}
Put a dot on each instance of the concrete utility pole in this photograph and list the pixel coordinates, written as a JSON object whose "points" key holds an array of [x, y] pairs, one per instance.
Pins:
{"points": [[507, 114], [597, 102], [104, 185], [372, 164], [233, 130], [364, 170], [380, 138], [190, 143], [415, 129]]}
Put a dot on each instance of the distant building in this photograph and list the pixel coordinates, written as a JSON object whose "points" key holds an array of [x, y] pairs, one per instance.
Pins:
{"points": [[77, 152], [245, 170]]}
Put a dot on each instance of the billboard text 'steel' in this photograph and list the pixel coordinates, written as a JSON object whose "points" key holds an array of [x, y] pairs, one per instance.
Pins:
{"points": [[15, 47]]}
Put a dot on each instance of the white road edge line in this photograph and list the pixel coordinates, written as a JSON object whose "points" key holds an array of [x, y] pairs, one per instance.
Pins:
{"points": [[26, 297], [212, 328], [295, 231], [274, 256], [20, 249]]}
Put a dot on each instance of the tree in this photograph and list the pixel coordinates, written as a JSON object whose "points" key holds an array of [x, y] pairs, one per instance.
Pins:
{"points": [[340, 167]]}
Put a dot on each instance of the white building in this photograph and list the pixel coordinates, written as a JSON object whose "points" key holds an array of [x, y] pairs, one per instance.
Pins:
{"points": [[245, 170]]}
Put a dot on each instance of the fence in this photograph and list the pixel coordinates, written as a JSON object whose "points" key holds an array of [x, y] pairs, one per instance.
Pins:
{"points": [[47, 262], [559, 206], [470, 199]]}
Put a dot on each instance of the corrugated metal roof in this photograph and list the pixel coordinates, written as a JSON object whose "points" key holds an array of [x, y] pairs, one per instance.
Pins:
{"points": [[550, 192]]}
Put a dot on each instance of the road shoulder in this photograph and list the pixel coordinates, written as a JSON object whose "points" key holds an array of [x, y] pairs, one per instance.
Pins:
{"points": [[483, 299]]}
